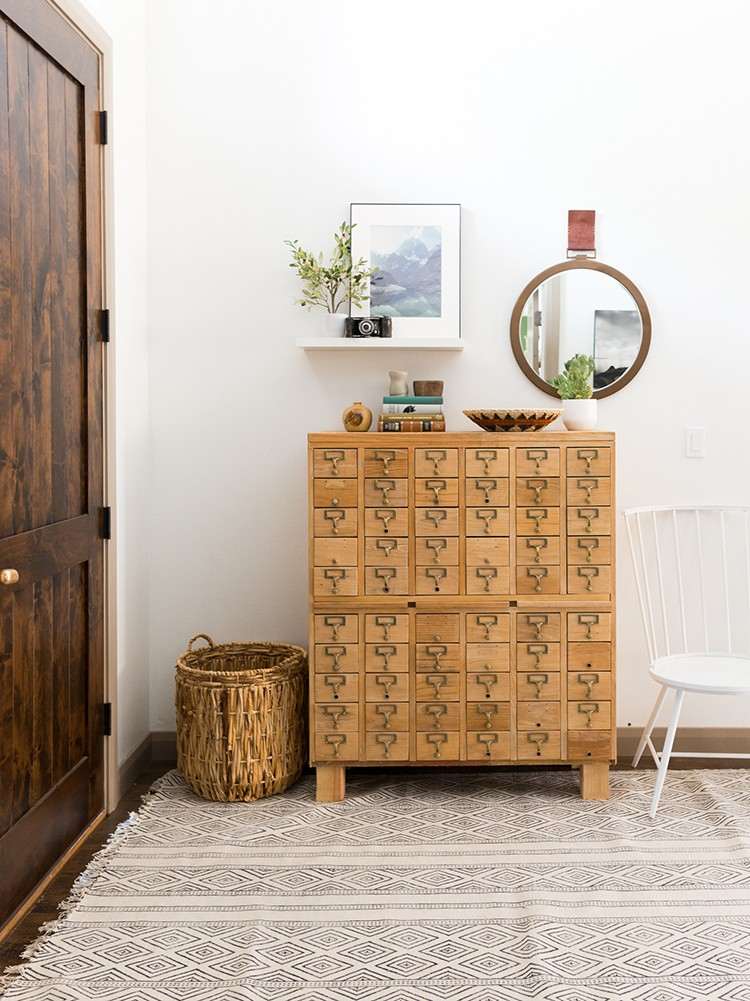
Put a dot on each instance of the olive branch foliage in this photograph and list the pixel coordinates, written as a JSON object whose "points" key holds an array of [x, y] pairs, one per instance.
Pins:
{"points": [[336, 283]]}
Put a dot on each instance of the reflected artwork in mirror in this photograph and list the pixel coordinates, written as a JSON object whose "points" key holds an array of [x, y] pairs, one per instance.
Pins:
{"points": [[581, 307]]}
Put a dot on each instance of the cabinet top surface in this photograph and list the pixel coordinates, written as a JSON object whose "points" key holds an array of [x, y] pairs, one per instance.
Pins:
{"points": [[469, 438]]}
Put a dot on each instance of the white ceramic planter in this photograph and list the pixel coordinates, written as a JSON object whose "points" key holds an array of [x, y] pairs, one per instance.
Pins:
{"points": [[330, 324], [580, 415]]}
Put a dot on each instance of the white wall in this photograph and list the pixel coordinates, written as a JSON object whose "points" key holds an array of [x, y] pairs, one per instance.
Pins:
{"points": [[267, 118]]}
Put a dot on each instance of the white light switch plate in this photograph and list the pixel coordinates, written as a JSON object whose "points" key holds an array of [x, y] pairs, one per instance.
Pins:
{"points": [[695, 443]]}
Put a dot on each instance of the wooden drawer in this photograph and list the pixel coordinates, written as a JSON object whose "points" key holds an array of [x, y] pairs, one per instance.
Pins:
{"points": [[387, 716], [387, 628], [386, 491], [536, 549], [589, 656], [589, 490], [331, 657], [332, 522], [588, 460], [589, 549], [535, 626], [539, 655], [335, 493], [585, 685], [488, 657], [538, 686], [437, 551], [336, 687], [386, 551], [436, 521], [538, 580], [589, 626], [437, 745], [487, 461], [386, 580], [436, 491], [386, 686], [486, 521], [487, 745], [488, 715], [387, 746], [538, 715], [436, 580], [538, 461], [438, 657], [335, 552], [330, 462], [589, 579], [487, 627], [538, 520], [436, 461], [490, 491], [487, 580], [336, 747], [595, 744], [387, 462], [438, 686], [386, 521], [589, 519], [539, 744], [336, 717], [336, 628], [536, 491], [330, 582], [387, 657], [437, 627], [487, 552], [437, 716], [494, 685], [589, 714]]}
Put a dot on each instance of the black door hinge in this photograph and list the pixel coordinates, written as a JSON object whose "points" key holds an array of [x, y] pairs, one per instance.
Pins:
{"points": [[104, 325], [103, 128], [106, 522], [107, 719]]}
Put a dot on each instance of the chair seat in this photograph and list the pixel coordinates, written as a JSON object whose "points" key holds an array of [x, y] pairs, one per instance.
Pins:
{"points": [[719, 674]]}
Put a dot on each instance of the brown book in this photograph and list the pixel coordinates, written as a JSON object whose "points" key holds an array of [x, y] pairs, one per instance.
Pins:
{"points": [[410, 423]]}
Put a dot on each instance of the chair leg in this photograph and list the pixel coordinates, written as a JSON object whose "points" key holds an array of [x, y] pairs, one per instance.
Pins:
{"points": [[661, 774], [649, 726]]}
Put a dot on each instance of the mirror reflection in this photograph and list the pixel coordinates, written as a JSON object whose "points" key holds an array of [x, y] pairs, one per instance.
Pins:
{"points": [[581, 312]]}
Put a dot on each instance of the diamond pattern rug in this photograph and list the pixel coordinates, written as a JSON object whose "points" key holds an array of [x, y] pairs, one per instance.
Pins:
{"points": [[471, 886]]}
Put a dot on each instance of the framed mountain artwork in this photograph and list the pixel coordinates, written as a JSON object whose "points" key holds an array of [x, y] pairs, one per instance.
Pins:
{"points": [[415, 250]]}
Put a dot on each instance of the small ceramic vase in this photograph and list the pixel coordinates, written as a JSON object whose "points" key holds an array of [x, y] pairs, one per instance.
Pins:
{"points": [[399, 384], [357, 417], [580, 415]]}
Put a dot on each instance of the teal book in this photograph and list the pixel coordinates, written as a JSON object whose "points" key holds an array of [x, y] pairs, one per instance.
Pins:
{"points": [[431, 400]]}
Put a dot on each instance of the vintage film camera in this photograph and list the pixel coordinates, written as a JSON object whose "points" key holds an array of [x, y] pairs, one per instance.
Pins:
{"points": [[368, 326]]}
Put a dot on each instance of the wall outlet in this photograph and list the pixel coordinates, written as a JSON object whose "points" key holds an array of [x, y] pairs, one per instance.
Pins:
{"points": [[695, 443]]}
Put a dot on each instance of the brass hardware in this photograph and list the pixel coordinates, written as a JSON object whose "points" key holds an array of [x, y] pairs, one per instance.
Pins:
{"points": [[486, 455], [436, 486], [488, 712], [540, 680], [537, 456], [436, 711], [487, 517], [588, 709], [385, 486], [589, 486], [386, 574], [537, 486], [386, 739], [335, 517], [588, 514], [437, 574], [334, 458], [589, 680], [336, 622], [386, 680], [335, 740], [537, 650], [336, 713], [435, 516], [386, 458], [538, 622], [487, 574], [538, 573], [589, 573], [335, 501], [537, 515], [488, 680], [385, 517], [488, 486], [335, 683], [386, 712], [487, 621], [538, 739], [588, 455], [436, 545], [589, 545], [436, 456], [437, 681], [387, 546], [436, 739], [537, 545], [336, 653], [386, 622], [488, 739], [335, 575], [588, 620], [437, 652], [386, 652]]}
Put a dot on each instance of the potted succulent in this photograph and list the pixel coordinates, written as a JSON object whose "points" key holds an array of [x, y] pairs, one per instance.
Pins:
{"points": [[574, 387], [334, 285]]}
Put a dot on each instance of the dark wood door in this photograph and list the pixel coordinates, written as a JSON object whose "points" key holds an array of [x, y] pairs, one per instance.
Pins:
{"points": [[51, 470]]}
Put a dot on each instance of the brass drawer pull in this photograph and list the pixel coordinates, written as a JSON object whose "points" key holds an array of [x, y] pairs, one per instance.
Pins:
{"points": [[436, 486], [386, 622], [335, 622], [540, 680], [386, 546], [437, 574], [588, 619], [486, 455], [538, 622], [335, 575], [437, 681], [385, 487], [336, 713], [334, 683], [488, 739], [538, 515], [386, 458], [334, 458], [588, 709], [437, 546], [538, 650], [588, 455], [538, 573], [537, 456], [538, 739], [386, 712], [386, 739], [436, 456], [386, 652], [589, 680], [336, 653], [588, 514], [386, 574], [537, 486], [487, 621], [385, 517], [437, 652], [589, 545], [489, 681], [487, 574], [334, 517], [335, 740], [489, 713], [436, 739], [488, 486], [487, 517], [537, 545], [387, 681], [589, 573], [436, 711], [589, 486], [435, 516]]}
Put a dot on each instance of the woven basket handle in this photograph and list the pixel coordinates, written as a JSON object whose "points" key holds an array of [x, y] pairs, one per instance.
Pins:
{"points": [[199, 636]]}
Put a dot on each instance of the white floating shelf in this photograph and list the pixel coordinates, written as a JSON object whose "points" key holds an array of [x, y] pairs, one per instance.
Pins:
{"points": [[380, 343]]}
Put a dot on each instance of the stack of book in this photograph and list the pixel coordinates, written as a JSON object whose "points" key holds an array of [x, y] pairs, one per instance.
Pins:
{"points": [[412, 413]]}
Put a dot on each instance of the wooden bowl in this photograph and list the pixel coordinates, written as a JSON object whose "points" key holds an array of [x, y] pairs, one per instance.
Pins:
{"points": [[428, 387], [512, 420]]}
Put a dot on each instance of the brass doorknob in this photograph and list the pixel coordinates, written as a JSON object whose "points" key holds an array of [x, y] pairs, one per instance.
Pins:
{"points": [[9, 576]]}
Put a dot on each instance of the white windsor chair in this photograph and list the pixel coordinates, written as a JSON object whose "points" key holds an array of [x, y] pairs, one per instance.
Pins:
{"points": [[692, 572]]}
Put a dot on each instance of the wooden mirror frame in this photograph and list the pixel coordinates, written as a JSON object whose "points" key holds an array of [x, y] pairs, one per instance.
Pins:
{"points": [[580, 263]]}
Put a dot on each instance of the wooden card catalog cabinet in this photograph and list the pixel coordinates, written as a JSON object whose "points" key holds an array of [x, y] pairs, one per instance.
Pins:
{"points": [[462, 602]]}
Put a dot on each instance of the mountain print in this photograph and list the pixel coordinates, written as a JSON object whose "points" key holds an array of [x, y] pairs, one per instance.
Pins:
{"points": [[408, 279]]}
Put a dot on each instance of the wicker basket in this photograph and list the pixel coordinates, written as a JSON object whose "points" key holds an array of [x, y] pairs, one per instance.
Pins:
{"points": [[241, 718]]}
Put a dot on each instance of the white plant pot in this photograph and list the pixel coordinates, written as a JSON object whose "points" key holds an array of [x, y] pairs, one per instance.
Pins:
{"points": [[580, 415], [330, 324]]}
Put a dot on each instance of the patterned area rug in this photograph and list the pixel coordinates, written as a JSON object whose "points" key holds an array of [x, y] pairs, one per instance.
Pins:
{"points": [[470, 887]]}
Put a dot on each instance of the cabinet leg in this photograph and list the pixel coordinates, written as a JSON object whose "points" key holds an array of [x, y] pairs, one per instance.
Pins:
{"points": [[330, 783], [595, 780]]}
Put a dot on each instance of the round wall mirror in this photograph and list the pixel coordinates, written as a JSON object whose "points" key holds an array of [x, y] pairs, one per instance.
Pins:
{"points": [[581, 307]]}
